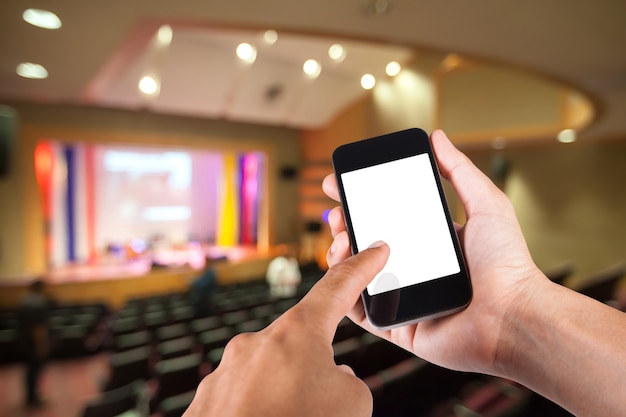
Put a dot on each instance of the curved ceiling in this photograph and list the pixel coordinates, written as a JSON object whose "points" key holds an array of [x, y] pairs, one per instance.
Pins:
{"points": [[578, 43]]}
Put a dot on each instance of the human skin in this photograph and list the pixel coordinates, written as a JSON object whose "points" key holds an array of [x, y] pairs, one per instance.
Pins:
{"points": [[519, 325]]}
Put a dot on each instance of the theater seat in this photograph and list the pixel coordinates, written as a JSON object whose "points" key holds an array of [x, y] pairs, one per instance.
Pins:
{"points": [[250, 326], [127, 367], [176, 347], [492, 398], [126, 400], [349, 352], [412, 387], [207, 323], [379, 354], [172, 331], [177, 376], [602, 285], [214, 357], [216, 338], [175, 406], [347, 329], [235, 317], [8, 346], [131, 341]]}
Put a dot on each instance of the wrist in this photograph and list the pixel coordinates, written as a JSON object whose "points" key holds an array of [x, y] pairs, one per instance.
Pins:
{"points": [[512, 344]]}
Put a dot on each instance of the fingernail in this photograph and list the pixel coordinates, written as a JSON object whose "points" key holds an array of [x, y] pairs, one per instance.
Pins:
{"points": [[376, 244]]}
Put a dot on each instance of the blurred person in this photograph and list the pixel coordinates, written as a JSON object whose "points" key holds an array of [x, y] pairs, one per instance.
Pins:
{"points": [[34, 338], [519, 325], [202, 288], [283, 273]]}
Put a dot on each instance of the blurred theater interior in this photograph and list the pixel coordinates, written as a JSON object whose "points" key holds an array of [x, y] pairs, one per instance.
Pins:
{"points": [[155, 151]]}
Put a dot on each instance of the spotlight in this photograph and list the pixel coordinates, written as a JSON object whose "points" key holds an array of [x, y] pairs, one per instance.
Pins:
{"points": [[246, 52], [368, 81]]}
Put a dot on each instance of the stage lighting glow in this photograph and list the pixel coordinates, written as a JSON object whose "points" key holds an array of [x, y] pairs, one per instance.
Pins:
{"points": [[166, 213], [176, 164]]}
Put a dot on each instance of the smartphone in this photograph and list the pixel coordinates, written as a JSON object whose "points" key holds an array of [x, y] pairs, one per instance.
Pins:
{"points": [[390, 190]]}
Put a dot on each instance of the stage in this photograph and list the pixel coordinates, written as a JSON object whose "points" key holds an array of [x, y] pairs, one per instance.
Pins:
{"points": [[113, 281]]}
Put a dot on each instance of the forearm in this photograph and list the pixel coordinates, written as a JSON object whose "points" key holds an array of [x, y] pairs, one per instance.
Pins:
{"points": [[569, 348]]}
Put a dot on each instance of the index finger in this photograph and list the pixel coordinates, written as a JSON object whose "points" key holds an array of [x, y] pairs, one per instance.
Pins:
{"points": [[334, 295]]}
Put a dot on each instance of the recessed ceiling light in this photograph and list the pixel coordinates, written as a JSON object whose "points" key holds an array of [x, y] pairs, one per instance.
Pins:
{"points": [[164, 35], [270, 36], [30, 70], [312, 68], [393, 68], [566, 136], [337, 52], [246, 52], [368, 81], [148, 85], [42, 18]]}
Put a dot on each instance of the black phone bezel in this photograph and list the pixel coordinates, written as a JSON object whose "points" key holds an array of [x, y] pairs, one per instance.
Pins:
{"points": [[421, 301]]}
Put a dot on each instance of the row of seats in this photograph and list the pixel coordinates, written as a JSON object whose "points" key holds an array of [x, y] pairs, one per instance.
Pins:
{"points": [[75, 330], [159, 342]]}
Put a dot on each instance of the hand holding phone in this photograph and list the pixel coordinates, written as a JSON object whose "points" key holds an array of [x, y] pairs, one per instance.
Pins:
{"points": [[390, 190]]}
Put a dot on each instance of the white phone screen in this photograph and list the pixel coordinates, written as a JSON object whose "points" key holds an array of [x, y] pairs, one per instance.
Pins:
{"points": [[398, 202]]}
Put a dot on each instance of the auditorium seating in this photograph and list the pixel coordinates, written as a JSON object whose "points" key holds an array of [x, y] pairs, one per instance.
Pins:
{"points": [[176, 376], [174, 348], [128, 400], [175, 406], [602, 285], [128, 367], [485, 397], [157, 341]]}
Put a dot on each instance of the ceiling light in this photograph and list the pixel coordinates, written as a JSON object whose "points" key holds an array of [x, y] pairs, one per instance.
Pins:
{"points": [[566, 136], [164, 35], [393, 68], [312, 68], [42, 18], [148, 85], [30, 70], [336, 52], [246, 52], [368, 81], [270, 36]]}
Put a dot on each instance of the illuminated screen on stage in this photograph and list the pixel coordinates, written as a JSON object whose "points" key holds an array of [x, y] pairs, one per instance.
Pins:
{"points": [[98, 196], [155, 192]]}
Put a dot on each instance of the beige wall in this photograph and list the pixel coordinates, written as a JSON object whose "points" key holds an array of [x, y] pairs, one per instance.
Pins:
{"points": [[571, 202], [570, 198], [21, 223]]}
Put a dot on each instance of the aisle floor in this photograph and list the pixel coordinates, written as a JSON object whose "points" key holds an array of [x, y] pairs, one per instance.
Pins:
{"points": [[65, 386]]}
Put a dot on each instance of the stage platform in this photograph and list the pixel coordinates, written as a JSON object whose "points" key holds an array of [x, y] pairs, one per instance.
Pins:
{"points": [[115, 282]]}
